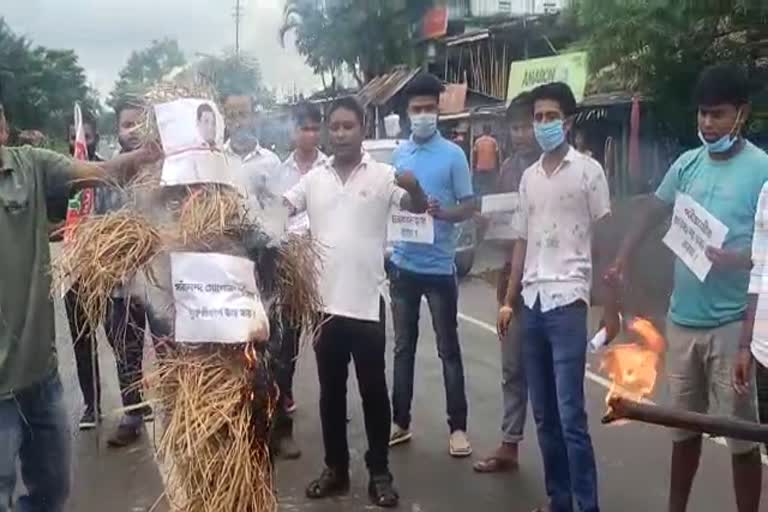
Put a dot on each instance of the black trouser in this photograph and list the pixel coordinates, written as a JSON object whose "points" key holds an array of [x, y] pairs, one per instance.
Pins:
{"points": [[762, 393], [286, 369], [124, 327], [340, 340], [282, 347]]}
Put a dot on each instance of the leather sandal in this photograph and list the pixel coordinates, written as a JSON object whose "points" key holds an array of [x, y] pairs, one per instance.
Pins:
{"points": [[330, 483], [382, 492]]}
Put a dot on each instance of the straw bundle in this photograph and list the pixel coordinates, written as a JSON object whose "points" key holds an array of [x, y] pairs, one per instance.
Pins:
{"points": [[103, 252], [299, 300], [209, 214], [217, 405]]}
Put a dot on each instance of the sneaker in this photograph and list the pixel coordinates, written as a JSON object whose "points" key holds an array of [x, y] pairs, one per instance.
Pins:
{"points": [[381, 491], [458, 444], [399, 435], [88, 421], [128, 432], [290, 406]]}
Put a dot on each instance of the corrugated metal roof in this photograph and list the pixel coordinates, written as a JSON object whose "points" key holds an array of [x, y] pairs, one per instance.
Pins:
{"points": [[382, 88]]}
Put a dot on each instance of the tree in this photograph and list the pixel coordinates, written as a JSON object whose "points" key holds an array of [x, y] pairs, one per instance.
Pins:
{"points": [[368, 37], [234, 74], [658, 47], [146, 67], [41, 85]]}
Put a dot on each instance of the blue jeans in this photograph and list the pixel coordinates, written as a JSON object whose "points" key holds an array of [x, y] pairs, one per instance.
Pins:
{"points": [[554, 351], [34, 429], [442, 294]]}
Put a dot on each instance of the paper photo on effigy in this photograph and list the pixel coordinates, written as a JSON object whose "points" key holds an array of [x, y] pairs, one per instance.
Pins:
{"points": [[198, 166], [190, 124]]}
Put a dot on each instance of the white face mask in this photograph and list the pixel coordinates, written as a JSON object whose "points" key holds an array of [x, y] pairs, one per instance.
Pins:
{"points": [[423, 126]]}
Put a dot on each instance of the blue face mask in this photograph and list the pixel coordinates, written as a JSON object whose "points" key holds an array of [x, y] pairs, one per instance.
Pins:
{"points": [[423, 126], [549, 135], [724, 143]]}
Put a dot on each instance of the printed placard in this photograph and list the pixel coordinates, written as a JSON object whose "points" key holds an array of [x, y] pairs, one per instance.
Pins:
{"points": [[411, 227], [694, 229], [501, 211], [216, 299], [299, 224]]}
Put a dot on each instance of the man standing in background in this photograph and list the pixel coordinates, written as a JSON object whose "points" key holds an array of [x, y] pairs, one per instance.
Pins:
{"points": [[485, 159], [307, 120], [429, 270], [525, 152]]}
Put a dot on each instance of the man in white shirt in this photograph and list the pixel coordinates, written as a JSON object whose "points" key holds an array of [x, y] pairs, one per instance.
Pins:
{"points": [[348, 200], [254, 164], [562, 196]]}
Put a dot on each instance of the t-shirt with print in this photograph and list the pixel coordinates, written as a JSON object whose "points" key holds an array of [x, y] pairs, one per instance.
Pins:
{"points": [[443, 172], [27, 337], [729, 190]]}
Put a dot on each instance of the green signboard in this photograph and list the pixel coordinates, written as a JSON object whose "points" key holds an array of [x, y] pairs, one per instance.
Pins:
{"points": [[570, 68]]}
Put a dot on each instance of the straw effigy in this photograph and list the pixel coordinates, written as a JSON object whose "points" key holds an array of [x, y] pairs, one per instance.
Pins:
{"points": [[215, 401]]}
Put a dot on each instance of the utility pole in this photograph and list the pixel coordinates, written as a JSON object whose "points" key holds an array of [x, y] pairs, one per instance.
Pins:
{"points": [[238, 18]]}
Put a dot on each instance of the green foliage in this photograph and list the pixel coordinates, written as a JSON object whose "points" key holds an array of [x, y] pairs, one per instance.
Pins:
{"points": [[147, 67], [367, 37], [41, 85], [658, 47]]}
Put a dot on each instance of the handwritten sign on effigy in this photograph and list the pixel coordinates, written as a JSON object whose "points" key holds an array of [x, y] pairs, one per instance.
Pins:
{"points": [[502, 211], [216, 299], [694, 229], [411, 227]]}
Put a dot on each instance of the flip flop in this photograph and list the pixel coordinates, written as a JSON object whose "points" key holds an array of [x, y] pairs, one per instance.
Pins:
{"points": [[495, 464]]}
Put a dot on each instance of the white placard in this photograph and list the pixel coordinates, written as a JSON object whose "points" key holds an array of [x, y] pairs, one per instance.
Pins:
{"points": [[216, 299], [501, 211], [193, 167], [189, 123], [410, 227], [694, 229]]}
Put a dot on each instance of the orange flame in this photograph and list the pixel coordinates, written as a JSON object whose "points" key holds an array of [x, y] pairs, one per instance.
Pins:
{"points": [[251, 355], [633, 367]]}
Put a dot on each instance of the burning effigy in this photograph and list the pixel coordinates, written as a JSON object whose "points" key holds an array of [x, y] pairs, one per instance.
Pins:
{"points": [[213, 270]]}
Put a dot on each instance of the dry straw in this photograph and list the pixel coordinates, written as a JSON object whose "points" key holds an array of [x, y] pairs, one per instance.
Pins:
{"points": [[102, 253], [217, 409]]}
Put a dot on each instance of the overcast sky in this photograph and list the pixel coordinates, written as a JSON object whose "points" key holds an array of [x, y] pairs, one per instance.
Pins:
{"points": [[104, 32]]}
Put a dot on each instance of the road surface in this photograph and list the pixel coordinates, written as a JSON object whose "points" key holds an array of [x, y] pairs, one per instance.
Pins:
{"points": [[632, 459]]}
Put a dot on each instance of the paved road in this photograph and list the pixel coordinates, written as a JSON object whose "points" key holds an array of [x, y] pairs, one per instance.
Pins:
{"points": [[632, 459]]}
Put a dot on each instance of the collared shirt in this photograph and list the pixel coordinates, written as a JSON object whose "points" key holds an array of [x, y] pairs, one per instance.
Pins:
{"points": [[443, 172], [28, 176], [758, 279], [557, 214], [729, 190], [289, 174], [256, 171], [349, 221]]}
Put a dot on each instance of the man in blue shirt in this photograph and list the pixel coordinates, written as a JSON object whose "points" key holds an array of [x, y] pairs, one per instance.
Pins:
{"points": [[725, 176], [428, 269]]}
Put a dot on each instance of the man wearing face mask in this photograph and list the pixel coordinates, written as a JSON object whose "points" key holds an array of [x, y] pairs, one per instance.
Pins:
{"points": [[428, 269], [706, 319], [562, 197], [256, 166]]}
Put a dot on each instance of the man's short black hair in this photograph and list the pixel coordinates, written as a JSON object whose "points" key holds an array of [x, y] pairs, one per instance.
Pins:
{"points": [[202, 109], [559, 92], [348, 103], [128, 102], [306, 111], [520, 108], [722, 84], [424, 84]]}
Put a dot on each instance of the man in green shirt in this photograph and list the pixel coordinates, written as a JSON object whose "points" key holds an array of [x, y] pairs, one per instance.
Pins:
{"points": [[33, 420]]}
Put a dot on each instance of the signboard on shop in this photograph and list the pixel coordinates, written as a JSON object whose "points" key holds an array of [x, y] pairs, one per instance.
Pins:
{"points": [[570, 68]]}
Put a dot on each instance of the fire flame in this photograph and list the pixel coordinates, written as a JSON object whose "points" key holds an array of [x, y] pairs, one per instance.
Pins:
{"points": [[633, 367]]}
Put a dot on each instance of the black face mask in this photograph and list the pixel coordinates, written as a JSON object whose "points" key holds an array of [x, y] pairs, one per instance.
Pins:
{"points": [[244, 138]]}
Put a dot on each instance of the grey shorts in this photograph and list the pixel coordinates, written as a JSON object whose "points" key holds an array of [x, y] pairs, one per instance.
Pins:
{"points": [[699, 367]]}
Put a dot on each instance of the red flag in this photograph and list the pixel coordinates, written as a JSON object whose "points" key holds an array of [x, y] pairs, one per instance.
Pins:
{"points": [[81, 204]]}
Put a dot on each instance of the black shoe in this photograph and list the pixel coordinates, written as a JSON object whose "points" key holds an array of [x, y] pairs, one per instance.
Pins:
{"points": [[382, 492], [88, 421], [330, 483], [127, 433], [287, 448]]}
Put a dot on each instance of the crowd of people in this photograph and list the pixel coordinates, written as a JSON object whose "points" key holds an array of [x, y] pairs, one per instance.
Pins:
{"points": [[715, 329]]}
